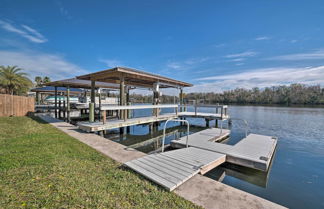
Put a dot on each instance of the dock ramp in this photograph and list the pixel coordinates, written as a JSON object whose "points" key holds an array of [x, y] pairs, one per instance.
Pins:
{"points": [[173, 168]]}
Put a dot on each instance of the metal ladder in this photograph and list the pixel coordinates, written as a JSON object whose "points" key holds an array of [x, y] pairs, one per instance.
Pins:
{"points": [[176, 120]]}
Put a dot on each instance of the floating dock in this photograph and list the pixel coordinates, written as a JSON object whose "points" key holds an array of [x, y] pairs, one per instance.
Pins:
{"points": [[173, 168], [254, 151]]}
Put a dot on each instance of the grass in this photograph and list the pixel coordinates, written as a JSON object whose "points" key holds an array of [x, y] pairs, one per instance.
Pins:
{"points": [[42, 167]]}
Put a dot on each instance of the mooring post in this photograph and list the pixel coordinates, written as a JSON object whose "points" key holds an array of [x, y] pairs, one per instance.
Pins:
{"points": [[207, 123], [150, 128], [128, 129], [104, 116], [216, 123]]}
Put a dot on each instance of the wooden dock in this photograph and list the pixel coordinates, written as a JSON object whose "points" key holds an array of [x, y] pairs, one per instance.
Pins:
{"points": [[254, 151], [112, 124], [125, 121], [173, 168]]}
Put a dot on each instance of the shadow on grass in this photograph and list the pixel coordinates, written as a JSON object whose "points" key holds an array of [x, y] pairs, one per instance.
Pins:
{"points": [[37, 119]]}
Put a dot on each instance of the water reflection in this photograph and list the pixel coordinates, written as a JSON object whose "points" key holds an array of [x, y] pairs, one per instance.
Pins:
{"points": [[258, 178]]}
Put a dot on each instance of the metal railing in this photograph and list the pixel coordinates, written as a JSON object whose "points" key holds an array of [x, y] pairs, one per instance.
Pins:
{"points": [[246, 125], [176, 120]]}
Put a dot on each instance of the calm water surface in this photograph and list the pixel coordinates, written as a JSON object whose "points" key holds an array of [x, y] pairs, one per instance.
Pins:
{"points": [[296, 177]]}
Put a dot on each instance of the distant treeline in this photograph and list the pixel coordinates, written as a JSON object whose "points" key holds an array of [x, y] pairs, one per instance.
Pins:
{"points": [[298, 94]]}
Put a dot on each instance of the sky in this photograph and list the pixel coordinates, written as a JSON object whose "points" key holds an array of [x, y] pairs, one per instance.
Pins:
{"points": [[215, 45]]}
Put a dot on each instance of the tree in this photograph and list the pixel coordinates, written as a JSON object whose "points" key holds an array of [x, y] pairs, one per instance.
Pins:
{"points": [[46, 79], [42, 81], [13, 80], [39, 81]]}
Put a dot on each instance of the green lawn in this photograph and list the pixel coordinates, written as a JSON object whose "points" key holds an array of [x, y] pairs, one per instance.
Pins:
{"points": [[42, 167]]}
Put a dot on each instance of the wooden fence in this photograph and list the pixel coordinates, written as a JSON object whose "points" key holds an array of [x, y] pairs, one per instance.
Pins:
{"points": [[11, 105]]}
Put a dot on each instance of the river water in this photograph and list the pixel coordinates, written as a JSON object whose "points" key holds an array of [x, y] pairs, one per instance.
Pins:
{"points": [[296, 176]]}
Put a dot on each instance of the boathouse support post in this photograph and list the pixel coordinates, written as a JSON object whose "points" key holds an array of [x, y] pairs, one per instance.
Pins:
{"points": [[37, 98], [92, 103], [99, 94], [60, 107], [128, 112], [55, 105], [122, 114], [64, 110], [122, 96], [156, 101], [181, 99], [68, 103]]}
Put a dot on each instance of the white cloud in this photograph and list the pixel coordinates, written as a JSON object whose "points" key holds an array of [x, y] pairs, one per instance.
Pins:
{"points": [[243, 54], [41, 64], [262, 38], [238, 60], [186, 64], [263, 77], [315, 55], [111, 62], [219, 45], [293, 41], [174, 65], [25, 31]]}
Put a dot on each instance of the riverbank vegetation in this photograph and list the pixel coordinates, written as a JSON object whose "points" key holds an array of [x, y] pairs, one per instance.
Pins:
{"points": [[295, 94], [42, 167]]}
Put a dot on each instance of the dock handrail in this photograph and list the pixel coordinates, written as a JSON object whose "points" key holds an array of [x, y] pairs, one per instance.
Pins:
{"points": [[223, 108], [246, 124], [177, 120]]}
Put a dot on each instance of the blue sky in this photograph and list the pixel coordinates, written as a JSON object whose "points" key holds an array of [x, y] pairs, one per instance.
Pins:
{"points": [[216, 45]]}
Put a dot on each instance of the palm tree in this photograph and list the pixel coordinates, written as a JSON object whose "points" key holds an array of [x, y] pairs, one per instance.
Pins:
{"points": [[13, 80]]}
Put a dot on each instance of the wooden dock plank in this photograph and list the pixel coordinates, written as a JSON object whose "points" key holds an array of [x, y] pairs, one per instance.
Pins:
{"points": [[152, 176], [162, 173], [174, 162], [161, 164]]}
